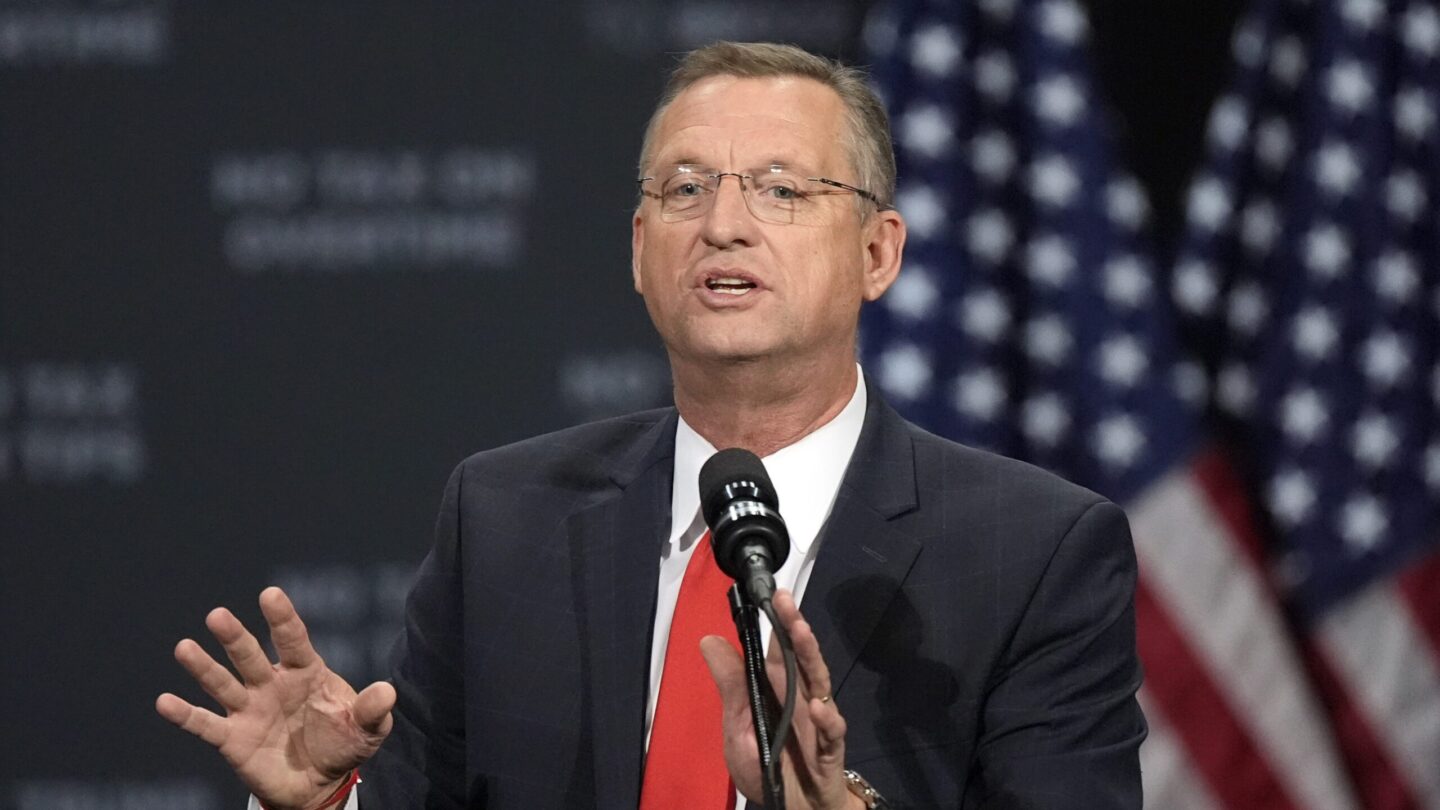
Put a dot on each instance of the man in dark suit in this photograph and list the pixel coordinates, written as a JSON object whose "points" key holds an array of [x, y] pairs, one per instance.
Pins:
{"points": [[968, 633]]}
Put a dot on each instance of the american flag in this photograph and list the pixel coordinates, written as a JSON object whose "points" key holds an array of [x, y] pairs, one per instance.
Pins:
{"points": [[1268, 410]]}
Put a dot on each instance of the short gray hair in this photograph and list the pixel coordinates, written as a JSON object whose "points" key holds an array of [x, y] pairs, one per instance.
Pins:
{"points": [[867, 129]]}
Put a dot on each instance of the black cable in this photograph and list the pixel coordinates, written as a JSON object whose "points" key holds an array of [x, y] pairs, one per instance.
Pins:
{"points": [[787, 711]]}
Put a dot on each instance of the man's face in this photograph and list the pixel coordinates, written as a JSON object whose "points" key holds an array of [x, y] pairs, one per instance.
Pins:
{"points": [[727, 285]]}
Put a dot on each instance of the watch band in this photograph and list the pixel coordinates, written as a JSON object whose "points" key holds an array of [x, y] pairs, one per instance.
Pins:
{"points": [[867, 792]]}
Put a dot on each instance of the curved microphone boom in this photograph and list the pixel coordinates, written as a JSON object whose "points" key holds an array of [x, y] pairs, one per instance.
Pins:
{"points": [[743, 512]]}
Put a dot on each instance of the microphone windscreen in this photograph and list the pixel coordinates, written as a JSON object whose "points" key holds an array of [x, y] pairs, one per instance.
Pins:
{"points": [[723, 471]]}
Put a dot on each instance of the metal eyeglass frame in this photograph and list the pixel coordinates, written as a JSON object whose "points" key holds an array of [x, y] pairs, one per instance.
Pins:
{"points": [[841, 188]]}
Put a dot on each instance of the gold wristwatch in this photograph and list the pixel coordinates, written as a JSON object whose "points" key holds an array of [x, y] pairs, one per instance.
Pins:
{"points": [[867, 793]]}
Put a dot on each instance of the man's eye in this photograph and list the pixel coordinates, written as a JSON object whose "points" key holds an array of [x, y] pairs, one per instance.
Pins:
{"points": [[782, 192], [686, 190]]}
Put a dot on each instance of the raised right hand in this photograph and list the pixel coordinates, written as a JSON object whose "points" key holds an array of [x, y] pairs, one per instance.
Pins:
{"points": [[293, 730]]}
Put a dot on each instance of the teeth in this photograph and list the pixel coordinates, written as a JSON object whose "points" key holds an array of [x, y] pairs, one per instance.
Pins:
{"points": [[734, 286]]}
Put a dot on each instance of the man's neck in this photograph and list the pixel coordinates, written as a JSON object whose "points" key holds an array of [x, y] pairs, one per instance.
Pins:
{"points": [[760, 406]]}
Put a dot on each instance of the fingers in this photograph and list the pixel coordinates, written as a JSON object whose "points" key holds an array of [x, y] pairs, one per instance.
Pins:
{"points": [[827, 725], [287, 632], [814, 673], [203, 723], [372, 708], [728, 671], [242, 648], [829, 731], [217, 681]]}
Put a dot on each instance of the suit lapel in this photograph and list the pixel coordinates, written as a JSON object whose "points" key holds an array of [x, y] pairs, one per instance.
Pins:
{"points": [[615, 548], [863, 558]]}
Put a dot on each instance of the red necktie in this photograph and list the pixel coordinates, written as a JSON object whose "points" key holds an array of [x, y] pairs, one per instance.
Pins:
{"points": [[685, 767]]}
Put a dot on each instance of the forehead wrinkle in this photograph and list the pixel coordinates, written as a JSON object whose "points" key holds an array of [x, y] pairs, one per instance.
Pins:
{"points": [[784, 157], [784, 128]]}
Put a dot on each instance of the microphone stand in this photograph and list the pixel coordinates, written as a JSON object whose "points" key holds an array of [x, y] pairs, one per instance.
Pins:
{"points": [[762, 698]]}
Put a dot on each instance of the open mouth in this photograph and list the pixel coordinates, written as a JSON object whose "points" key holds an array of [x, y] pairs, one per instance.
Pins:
{"points": [[729, 286]]}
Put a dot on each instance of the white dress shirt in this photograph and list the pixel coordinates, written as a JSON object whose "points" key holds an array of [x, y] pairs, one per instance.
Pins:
{"points": [[806, 476]]}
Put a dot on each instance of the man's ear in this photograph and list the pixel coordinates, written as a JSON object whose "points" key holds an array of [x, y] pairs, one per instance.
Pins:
{"points": [[637, 246], [884, 248]]}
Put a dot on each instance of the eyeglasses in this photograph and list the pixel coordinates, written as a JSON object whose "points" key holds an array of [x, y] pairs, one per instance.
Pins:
{"points": [[773, 194]]}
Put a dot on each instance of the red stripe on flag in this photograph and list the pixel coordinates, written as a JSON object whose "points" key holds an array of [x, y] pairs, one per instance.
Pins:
{"points": [[1229, 499], [1419, 586], [1220, 748], [1378, 784]]}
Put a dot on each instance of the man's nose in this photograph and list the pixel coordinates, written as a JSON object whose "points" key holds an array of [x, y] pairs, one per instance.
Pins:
{"points": [[729, 219]]}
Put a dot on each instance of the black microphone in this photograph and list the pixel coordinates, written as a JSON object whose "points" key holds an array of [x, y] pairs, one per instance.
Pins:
{"points": [[746, 531]]}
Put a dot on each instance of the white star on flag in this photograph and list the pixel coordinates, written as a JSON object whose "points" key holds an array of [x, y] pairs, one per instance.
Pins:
{"points": [[923, 210], [924, 129], [1053, 181], [1414, 114], [1362, 522], [1194, 287], [1118, 440], [913, 295], [1063, 20], [1050, 260], [1126, 282], [993, 156], [1125, 203], [1247, 310], [1274, 144], [1287, 61], [1303, 415], [1363, 14], [1397, 279], [1000, 10], [1044, 419], [1374, 441], [1210, 204], [1316, 334], [1259, 226], [1059, 100], [1235, 388], [1405, 196], [984, 315], [1385, 359], [979, 393], [905, 371], [1348, 86], [1327, 251], [995, 76], [1336, 168], [1122, 360], [935, 50], [1229, 123], [989, 236], [1248, 44], [1420, 30], [1292, 497], [1048, 340]]}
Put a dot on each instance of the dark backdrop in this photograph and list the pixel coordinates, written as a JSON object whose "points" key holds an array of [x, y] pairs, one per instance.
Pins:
{"points": [[269, 270]]}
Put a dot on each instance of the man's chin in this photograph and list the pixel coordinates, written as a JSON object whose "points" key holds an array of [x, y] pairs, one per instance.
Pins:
{"points": [[733, 352]]}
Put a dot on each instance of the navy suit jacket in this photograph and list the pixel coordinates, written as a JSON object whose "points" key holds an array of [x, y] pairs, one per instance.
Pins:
{"points": [[976, 614]]}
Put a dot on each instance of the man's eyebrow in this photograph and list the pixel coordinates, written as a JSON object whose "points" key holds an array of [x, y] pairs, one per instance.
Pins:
{"points": [[682, 161], [688, 160]]}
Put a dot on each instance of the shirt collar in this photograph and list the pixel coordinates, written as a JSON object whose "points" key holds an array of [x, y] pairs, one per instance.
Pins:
{"points": [[806, 474]]}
